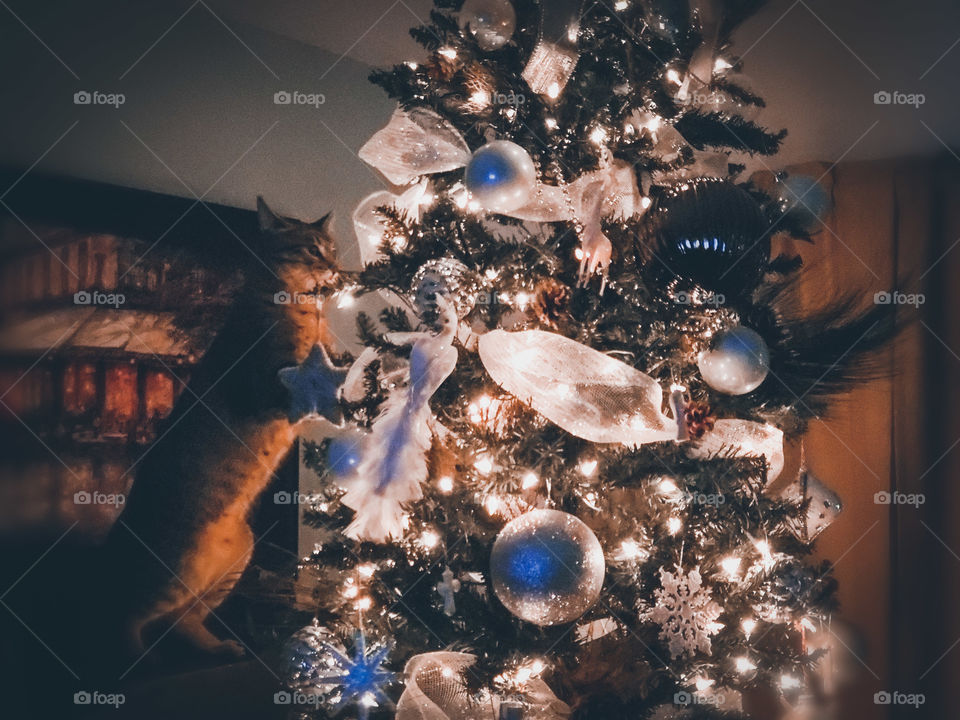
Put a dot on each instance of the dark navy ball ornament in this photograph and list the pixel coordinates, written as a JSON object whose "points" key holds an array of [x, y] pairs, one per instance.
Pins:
{"points": [[713, 232], [501, 176], [344, 453], [547, 567]]}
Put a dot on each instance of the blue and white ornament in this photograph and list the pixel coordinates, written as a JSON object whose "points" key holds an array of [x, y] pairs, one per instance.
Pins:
{"points": [[344, 453], [547, 567], [491, 22], [804, 199], [736, 363], [501, 176]]}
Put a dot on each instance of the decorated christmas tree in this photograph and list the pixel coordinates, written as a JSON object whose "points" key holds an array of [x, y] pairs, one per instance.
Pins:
{"points": [[551, 495]]}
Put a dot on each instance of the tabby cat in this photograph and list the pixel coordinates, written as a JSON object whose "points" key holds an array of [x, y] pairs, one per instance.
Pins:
{"points": [[183, 539]]}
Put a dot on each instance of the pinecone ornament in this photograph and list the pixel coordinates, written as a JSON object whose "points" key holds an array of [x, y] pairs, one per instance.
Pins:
{"points": [[699, 419], [551, 302]]}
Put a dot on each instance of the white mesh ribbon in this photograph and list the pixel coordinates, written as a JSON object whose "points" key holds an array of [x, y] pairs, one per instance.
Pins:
{"points": [[743, 438], [435, 690], [415, 142], [617, 185], [587, 393]]}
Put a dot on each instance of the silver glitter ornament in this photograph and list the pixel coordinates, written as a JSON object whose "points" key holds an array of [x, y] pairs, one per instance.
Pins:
{"points": [[491, 22], [736, 363], [445, 277], [547, 567]]}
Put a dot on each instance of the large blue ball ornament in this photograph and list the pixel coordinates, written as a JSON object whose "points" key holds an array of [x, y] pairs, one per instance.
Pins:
{"points": [[736, 363], [547, 567], [501, 176], [805, 200]]}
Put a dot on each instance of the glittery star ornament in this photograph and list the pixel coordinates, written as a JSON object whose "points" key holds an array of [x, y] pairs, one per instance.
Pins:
{"points": [[358, 680], [314, 386]]}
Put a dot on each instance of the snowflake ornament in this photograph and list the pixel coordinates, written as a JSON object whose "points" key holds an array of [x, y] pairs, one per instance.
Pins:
{"points": [[359, 679], [685, 612]]}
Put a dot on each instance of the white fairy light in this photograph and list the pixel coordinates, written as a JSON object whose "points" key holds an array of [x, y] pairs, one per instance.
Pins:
{"points": [[530, 480], [621, 5], [510, 112], [731, 566], [480, 98], [550, 123], [366, 570], [491, 273], [674, 525], [346, 299], [412, 65], [766, 556], [364, 603], [703, 684], [448, 52], [588, 467], [674, 76], [598, 135], [748, 625], [350, 591], [721, 64], [630, 550], [807, 623], [522, 299], [790, 682], [369, 700], [668, 486], [744, 665], [445, 484], [429, 539], [483, 464], [553, 91], [645, 202], [493, 504]]}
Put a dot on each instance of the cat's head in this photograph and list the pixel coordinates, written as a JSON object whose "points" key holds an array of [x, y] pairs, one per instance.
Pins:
{"points": [[301, 255]]}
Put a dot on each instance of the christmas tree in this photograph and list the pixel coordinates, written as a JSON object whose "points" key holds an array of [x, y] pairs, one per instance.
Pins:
{"points": [[552, 491]]}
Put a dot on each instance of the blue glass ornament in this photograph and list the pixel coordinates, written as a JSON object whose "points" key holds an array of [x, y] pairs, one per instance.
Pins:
{"points": [[805, 200], [501, 176], [314, 386], [344, 453], [736, 363], [547, 567]]}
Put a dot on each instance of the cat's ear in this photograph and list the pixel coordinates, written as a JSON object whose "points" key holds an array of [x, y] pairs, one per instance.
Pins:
{"points": [[269, 220], [324, 224]]}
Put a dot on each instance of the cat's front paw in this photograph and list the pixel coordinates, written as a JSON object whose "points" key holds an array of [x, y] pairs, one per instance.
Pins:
{"points": [[230, 648]]}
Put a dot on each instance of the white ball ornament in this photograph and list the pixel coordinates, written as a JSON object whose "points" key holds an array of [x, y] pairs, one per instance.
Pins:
{"points": [[491, 22], [501, 176], [736, 363]]}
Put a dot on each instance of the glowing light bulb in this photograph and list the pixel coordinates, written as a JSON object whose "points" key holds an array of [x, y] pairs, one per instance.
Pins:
{"points": [[668, 486], [445, 484], [491, 273], [588, 467], [448, 53], [645, 202], [537, 666], [350, 592], [743, 665], [346, 300], [721, 64], [366, 570], [674, 77], [598, 135], [493, 504], [550, 123], [630, 549], [748, 625], [731, 566], [412, 65], [483, 464], [703, 684], [530, 480], [553, 91], [621, 5], [674, 525], [789, 682], [429, 539], [364, 603], [480, 98]]}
